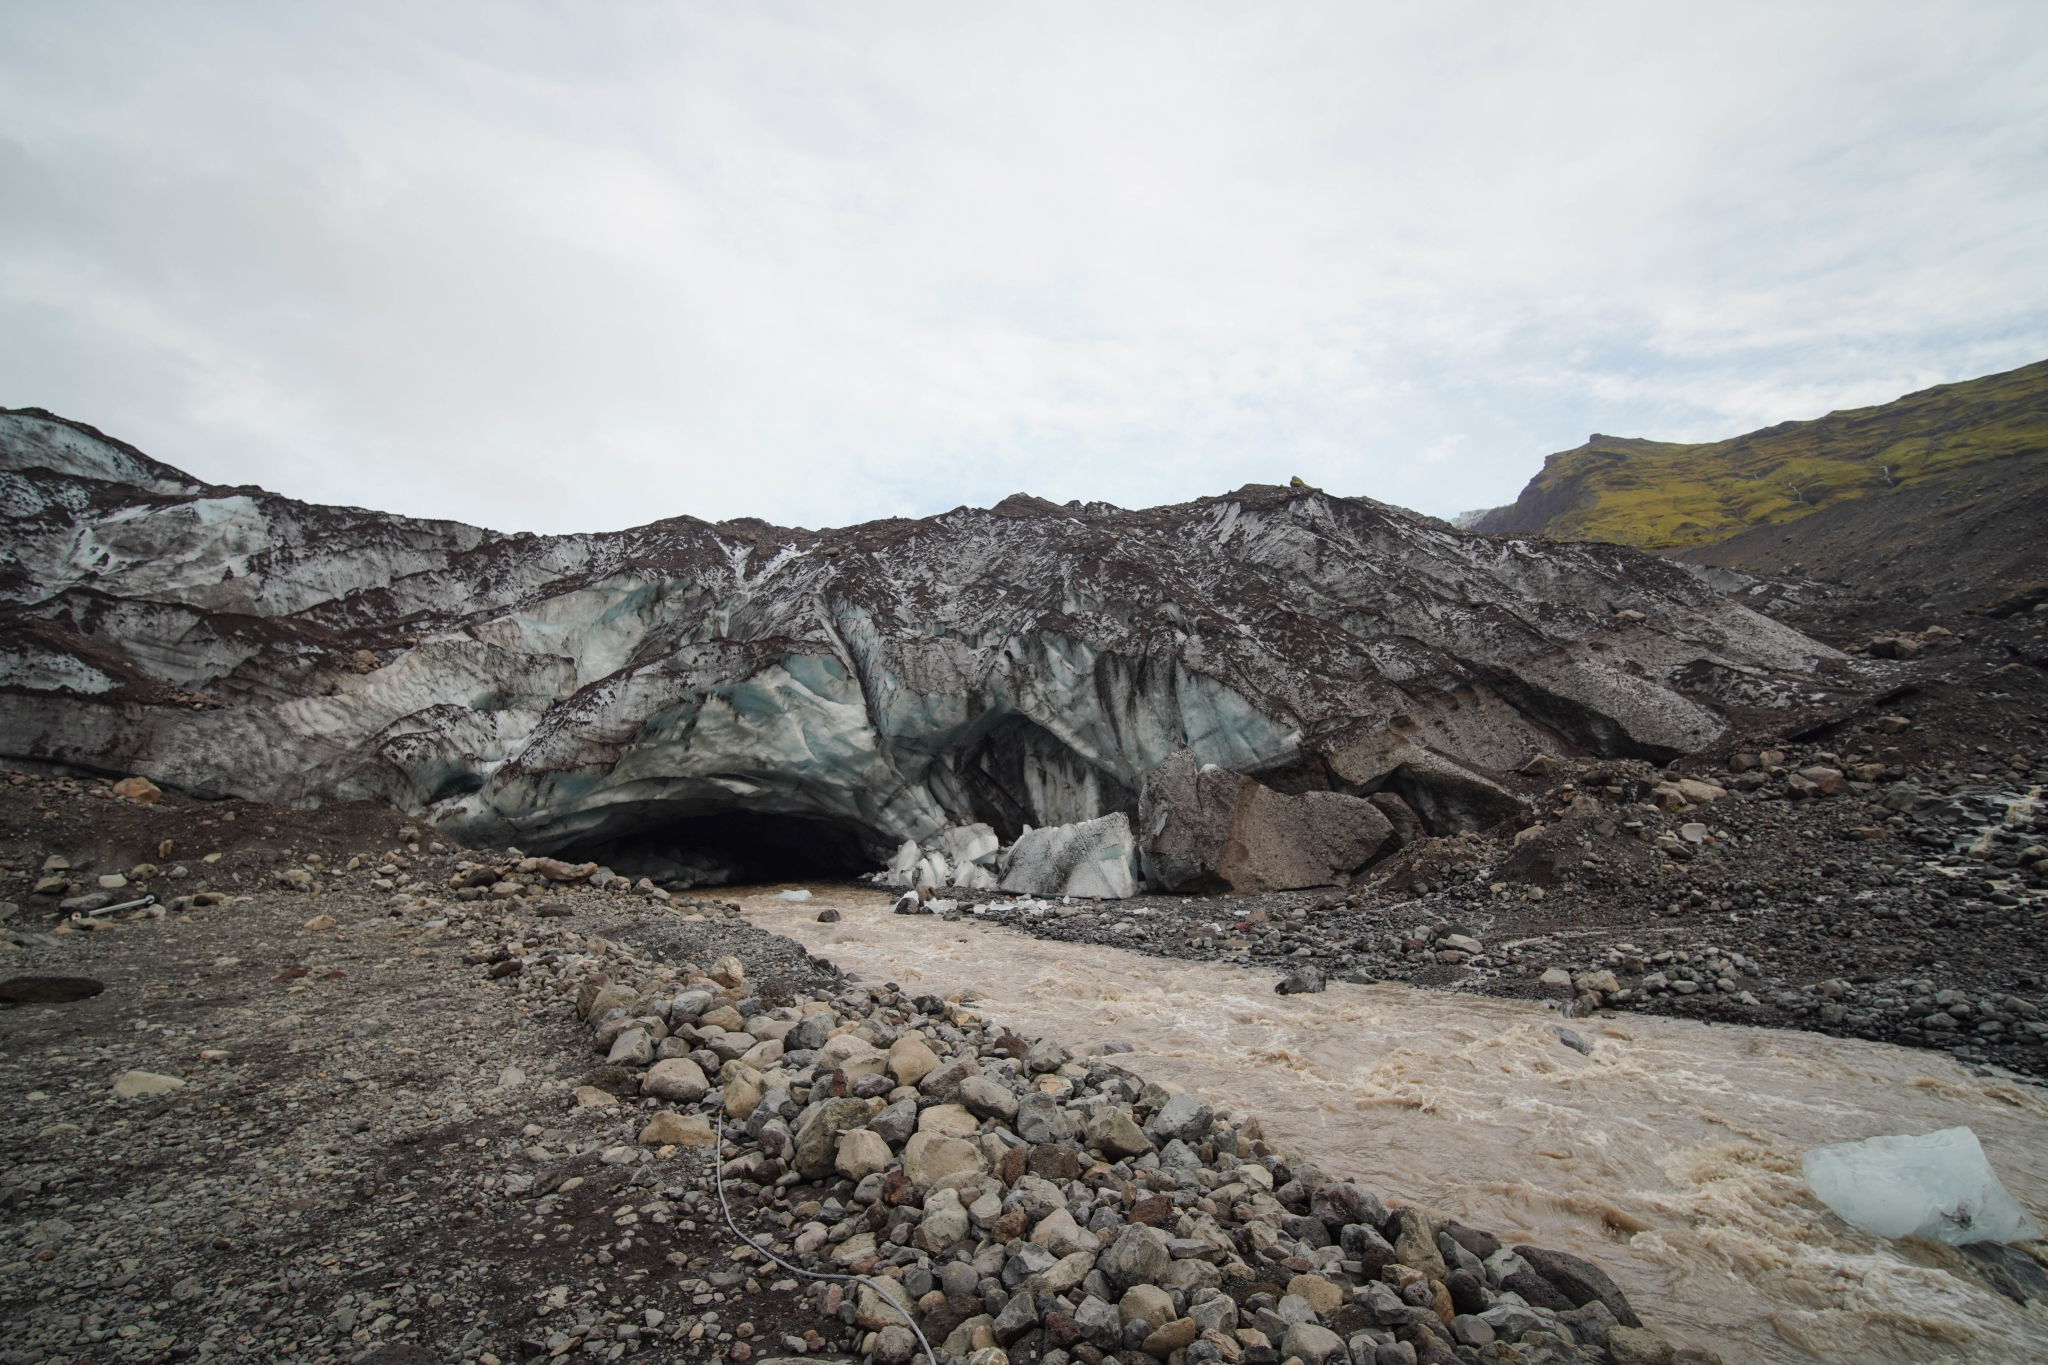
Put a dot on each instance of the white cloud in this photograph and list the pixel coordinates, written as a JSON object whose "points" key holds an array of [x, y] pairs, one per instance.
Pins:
{"points": [[550, 270]]}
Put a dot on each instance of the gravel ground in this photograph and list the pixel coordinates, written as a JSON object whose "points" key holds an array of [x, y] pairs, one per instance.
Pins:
{"points": [[351, 1124]]}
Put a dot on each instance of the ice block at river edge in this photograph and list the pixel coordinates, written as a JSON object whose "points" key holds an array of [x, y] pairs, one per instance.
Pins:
{"points": [[1938, 1186]]}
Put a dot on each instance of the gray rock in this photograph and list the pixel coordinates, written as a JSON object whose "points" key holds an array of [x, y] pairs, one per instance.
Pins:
{"points": [[945, 1223], [631, 1048], [1468, 1330], [1038, 1197], [1340, 1204], [1215, 1315], [1580, 1281], [1510, 1320], [1591, 1323], [1183, 1117], [1384, 1304], [1046, 1055], [894, 1345], [1206, 824], [985, 1099], [1138, 1256], [1101, 1324], [1302, 980], [817, 1140], [1313, 1344], [1019, 1316], [809, 1035], [896, 1123], [685, 1006], [1040, 1119], [1030, 1259]]}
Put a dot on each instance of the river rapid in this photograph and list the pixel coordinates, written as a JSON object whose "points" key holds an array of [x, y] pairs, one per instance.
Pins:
{"points": [[1670, 1155]]}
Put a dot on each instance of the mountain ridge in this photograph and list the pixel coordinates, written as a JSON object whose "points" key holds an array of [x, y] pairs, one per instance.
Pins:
{"points": [[1671, 496]]}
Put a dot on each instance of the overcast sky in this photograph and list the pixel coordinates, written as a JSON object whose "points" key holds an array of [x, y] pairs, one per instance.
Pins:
{"points": [[562, 267]]}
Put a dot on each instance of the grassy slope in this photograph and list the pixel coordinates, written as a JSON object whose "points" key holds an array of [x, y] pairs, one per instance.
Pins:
{"points": [[1664, 496]]}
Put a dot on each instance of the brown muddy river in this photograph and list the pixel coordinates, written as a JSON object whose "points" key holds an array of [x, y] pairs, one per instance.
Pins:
{"points": [[1670, 1155]]}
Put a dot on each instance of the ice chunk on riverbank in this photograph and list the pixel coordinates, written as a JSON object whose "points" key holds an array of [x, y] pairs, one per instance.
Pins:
{"points": [[1938, 1186]]}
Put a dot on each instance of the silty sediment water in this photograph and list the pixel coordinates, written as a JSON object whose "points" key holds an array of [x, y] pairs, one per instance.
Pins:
{"points": [[1670, 1155]]}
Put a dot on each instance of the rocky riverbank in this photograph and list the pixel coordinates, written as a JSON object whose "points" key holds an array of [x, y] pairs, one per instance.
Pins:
{"points": [[1879, 871], [333, 1118]]}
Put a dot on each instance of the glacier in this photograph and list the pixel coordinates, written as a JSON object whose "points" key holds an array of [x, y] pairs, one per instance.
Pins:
{"points": [[825, 694]]}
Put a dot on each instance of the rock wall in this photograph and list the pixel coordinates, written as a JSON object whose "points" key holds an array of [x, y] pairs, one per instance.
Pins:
{"points": [[1027, 664]]}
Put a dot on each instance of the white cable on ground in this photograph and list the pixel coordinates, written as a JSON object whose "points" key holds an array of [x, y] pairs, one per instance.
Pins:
{"points": [[888, 1295]]}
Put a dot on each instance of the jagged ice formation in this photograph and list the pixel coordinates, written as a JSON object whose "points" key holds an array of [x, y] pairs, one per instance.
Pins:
{"points": [[685, 684]]}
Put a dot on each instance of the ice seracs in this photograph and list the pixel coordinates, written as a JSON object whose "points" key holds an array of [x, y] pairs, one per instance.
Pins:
{"points": [[694, 696]]}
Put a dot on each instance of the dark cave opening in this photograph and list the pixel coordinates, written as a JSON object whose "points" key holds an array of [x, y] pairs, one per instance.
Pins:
{"points": [[678, 853]]}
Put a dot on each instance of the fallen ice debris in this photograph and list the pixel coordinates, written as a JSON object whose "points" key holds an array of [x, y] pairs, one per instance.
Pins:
{"points": [[1938, 1186], [792, 895]]}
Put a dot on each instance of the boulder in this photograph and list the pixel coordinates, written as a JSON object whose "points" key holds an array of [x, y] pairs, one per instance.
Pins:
{"points": [[945, 1223], [631, 1048], [1320, 1294], [911, 1059], [1065, 1273], [1415, 1244], [817, 1141], [1183, 1117], [896, 1123], [943, 1085], [1110, 1128], [861, 1153], [1636, 1346], [1407, 826], [984, 1098], [929, 1158], [1058, 1233], [140, 790], [1040, 1119], [1312, 1345], [666, 1129], [606, 999], [1169, 1337], [676, 1078], [1138, 1256], [947, 1120], [1580, 1281], [1146, 1303], [1094, 858], [1208, 827]]}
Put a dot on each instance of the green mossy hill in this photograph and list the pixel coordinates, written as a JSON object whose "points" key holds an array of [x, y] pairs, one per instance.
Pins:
{"points": [[1659, 495]]}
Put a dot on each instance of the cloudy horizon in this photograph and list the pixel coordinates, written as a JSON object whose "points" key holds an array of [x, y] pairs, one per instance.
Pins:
{"points": [[579, 270]]}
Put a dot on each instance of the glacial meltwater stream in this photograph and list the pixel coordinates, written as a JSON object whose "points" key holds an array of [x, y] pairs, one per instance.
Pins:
{"points": [[1670, 1155]]}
